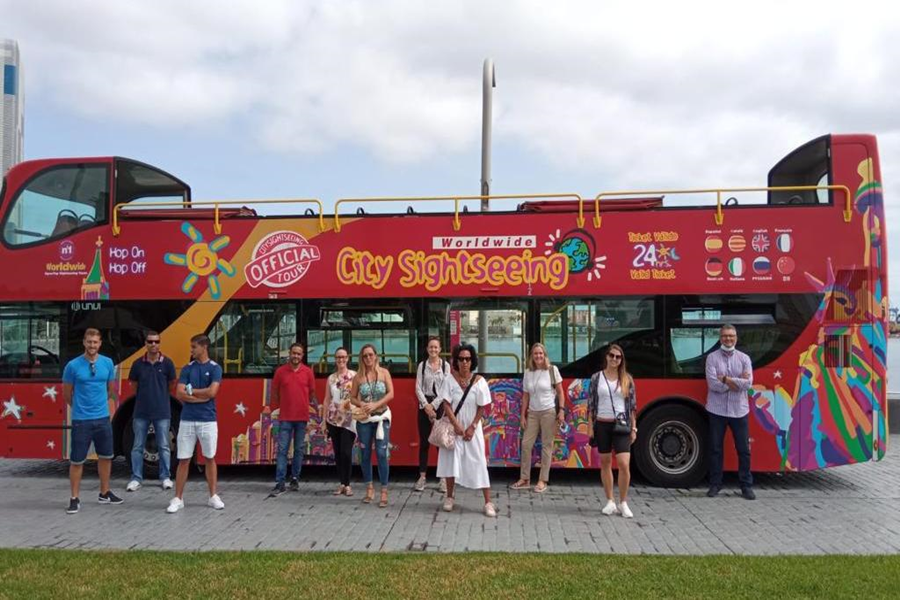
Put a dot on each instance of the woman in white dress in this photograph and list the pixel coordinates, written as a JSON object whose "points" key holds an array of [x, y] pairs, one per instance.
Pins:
{"points": [[466, 464]]}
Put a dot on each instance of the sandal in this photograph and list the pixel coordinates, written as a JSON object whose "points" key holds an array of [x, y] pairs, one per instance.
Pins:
{"points": [[520, 484], [384, 499], [338, 492], [370, 495], [541, 487], [348, 491]]}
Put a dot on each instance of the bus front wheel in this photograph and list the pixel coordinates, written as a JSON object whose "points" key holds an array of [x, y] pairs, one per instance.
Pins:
{"points": [[671, 448]]}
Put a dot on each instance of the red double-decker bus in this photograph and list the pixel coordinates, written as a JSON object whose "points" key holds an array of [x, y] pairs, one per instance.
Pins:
{"points": [[799, 265]]}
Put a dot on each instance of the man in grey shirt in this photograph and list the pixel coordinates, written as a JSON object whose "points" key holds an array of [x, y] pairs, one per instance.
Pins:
{"points": [[729, 374]]}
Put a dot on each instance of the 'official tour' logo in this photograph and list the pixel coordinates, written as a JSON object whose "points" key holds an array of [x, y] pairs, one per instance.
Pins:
{"points": [[280, 259]]}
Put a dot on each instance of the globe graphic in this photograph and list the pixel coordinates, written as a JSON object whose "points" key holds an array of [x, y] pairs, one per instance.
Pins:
{"points": [[577, 251]]}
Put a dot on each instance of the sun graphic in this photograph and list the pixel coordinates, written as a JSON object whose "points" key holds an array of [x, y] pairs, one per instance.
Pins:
{"points": [[201, 259]]}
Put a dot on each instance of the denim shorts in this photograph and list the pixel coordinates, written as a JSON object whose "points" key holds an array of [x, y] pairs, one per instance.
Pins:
{"points": [[85, 431]]}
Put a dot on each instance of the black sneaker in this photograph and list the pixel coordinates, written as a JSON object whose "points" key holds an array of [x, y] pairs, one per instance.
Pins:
{"points": [[277, 490], [74, 506], [295, 485], [713, 491], [748, 494], [109, 498]]}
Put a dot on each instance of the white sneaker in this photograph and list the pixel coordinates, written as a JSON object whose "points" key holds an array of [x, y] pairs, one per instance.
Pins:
{"points": [[133, 486], [175, 504], [626, 512], [610, 508], [443, 486], [420, 484], [448, 504], [490, 510], [167, 484], [216, 502]]}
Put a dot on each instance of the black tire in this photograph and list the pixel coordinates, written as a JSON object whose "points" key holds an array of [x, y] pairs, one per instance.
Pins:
{"points": [[671, 448]]}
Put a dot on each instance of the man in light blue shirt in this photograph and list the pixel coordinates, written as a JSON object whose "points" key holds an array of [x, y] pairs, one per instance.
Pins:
{"points": [[89, 387], [729, 374]]}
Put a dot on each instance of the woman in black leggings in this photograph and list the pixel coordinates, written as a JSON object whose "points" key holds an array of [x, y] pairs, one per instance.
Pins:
{"points": [[341, 426], [430, 375]]}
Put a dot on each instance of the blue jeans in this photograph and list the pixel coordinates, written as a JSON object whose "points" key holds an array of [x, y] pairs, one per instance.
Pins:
{"points": [[297, 429], [366, 433], [161, 432], [740, 430]]}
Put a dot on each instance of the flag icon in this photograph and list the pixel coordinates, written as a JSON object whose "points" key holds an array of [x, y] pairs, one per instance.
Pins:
{"points": [[761, 242], [713, 244], [785, 242], [761, 265], [736, 267], [737, 243], [786, 265], [713, 267]]}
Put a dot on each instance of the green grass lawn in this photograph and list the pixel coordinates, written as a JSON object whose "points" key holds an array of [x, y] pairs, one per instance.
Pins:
{"points": [[112, 575]]}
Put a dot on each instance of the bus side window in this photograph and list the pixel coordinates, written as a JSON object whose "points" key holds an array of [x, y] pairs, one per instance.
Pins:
{"points": [[30, 340], [253, 337]]}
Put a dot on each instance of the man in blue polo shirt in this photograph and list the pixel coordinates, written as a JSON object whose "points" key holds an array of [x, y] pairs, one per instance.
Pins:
{"points": [[154, 377], [197, 389], [89, 387]]}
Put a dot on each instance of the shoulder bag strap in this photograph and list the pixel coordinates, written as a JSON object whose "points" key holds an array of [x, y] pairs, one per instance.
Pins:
{"points": [[465, 394]]}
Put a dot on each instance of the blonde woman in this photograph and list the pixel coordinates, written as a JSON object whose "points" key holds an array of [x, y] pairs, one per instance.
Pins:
{"points": [[338, 419], [543, 410], [371, 391], [612, 398]]}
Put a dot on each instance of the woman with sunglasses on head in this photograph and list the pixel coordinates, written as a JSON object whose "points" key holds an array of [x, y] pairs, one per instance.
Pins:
{"points": [[542, 412], [339, 420], [430, 375], [464, 396], [612, 400], [371, 391]]}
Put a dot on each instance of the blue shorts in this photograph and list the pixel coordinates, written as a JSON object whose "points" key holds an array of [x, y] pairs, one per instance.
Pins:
{"points": [[85, 431]]}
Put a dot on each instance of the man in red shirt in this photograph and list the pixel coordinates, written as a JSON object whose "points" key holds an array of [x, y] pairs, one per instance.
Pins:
{"points": [[293, 389]]}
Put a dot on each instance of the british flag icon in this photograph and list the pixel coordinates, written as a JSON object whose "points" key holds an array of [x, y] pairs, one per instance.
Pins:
{"points": [[761, 242]]}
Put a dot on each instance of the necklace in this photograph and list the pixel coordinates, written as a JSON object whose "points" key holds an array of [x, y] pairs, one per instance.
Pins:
{"points": [[463, 383]]}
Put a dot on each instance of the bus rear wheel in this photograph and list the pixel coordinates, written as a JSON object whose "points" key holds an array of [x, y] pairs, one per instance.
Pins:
{"points": [[671, 448], [151, 449]]}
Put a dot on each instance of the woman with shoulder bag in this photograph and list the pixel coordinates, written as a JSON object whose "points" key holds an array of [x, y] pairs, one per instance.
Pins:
{"points": [[613, 407], [431, 373], [543, 410], [370, 393], [338, 418], [464, 396]]}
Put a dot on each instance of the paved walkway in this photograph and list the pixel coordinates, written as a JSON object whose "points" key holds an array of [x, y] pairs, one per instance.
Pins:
{"points": [[852, 510]]}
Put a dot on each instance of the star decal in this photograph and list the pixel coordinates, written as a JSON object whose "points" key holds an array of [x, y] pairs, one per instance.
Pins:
{"points": [[777, 374], [50, 392], [11, 408], [51, 444], [240, 408]]}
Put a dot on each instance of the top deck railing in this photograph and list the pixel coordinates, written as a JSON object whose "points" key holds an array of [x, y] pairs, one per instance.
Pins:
{"points": [[718, 214]]}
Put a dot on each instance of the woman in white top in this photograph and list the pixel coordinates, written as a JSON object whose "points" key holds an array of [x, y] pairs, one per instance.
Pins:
{"points": [[338, 418], [612, 399], [466, 464], [430, 375], [543, 410]]}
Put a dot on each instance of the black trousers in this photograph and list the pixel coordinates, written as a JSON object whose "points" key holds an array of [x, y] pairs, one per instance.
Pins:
{"points": [[740, 430], [425, 426], [342, 440]]}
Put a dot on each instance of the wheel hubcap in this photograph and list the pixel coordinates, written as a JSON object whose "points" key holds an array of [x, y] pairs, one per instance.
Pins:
{"points": [[674, 447]]}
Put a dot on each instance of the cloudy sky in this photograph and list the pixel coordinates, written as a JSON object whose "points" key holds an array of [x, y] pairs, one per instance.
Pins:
{"points": [[335, 99]]}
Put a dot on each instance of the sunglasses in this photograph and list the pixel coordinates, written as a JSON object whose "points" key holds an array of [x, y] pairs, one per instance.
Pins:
{"points": [[615, 356], [340, 358], [153, 342], [93, 369], [464, 359]]}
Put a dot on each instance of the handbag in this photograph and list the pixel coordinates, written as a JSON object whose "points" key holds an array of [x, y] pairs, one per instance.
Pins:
{"points": [[442, 433], [621, 426]]}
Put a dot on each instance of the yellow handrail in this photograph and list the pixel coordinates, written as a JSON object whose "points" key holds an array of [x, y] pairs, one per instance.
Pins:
{"points": [[217, 226], [323, 362], [456, 200], [719, 215]]}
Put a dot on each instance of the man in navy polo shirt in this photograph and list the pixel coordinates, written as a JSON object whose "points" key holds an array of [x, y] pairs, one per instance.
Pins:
{"points": [[89, 387], [154, 377], [197, 389]]}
